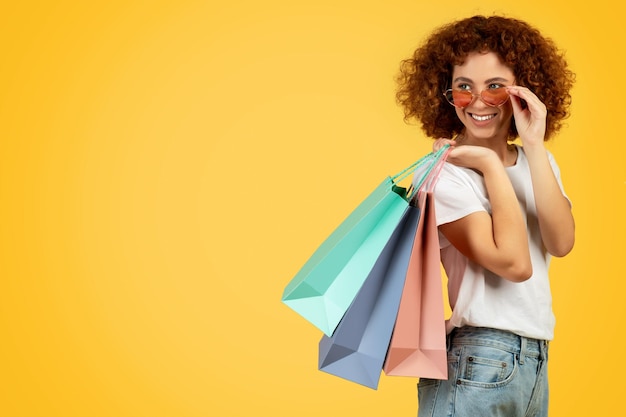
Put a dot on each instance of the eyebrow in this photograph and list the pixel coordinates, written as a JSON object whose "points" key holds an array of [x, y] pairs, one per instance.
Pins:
{"points": [[490, 80]]}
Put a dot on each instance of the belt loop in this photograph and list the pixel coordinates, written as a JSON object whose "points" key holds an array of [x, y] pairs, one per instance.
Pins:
{"points": [[522, 349], [544, 349]]}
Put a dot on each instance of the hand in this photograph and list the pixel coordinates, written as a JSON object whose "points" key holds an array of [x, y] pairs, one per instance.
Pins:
{"points": [[441, 142], [478, 158], [530, 121]]}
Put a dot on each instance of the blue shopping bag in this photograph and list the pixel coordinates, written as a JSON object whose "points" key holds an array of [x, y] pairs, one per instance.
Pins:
{"points": [[328, 282]]}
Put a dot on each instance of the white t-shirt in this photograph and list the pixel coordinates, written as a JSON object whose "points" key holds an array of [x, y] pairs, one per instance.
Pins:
{"points": [[477, 296]]}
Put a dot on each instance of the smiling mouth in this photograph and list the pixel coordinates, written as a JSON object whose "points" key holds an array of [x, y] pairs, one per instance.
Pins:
{"points": [[482, 118]]}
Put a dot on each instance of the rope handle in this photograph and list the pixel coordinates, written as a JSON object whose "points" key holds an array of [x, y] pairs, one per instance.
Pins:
{"points": [[434, 158], [426, 158], [434, 174]]}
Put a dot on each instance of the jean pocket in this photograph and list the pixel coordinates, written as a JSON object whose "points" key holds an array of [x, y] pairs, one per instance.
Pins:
{"points": [[486, 367]]}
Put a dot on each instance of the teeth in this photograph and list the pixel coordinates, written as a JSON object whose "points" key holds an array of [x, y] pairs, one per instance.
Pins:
{"points": [[482, 118]]}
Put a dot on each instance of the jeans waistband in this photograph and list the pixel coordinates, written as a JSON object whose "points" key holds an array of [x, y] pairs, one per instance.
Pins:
{"points": [[502, 339]]}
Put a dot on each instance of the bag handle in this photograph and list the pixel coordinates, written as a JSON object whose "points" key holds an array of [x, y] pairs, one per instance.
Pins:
{"points": [[433, 175], [411, 168], [437, 159], [426, 158]]}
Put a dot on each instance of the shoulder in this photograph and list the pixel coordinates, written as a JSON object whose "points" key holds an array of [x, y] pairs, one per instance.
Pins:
{"points": [[454, 176], [458, 193]]}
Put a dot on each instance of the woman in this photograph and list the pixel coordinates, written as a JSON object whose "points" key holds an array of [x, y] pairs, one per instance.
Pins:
{"points": [[480, 83]]}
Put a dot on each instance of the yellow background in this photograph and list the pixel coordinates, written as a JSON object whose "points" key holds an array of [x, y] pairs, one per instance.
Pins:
{"points": [[167, 166]]}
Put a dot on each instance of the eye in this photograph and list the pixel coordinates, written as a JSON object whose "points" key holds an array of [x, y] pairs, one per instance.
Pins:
{"points": [[494, 86], [464, 86]]}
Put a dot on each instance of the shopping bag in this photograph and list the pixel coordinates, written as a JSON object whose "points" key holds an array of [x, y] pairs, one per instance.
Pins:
{"points": [[328, 282], [418, 343], [356, 350]]}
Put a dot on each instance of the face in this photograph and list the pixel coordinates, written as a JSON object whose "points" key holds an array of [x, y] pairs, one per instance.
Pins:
{"points": [[482, 71]]}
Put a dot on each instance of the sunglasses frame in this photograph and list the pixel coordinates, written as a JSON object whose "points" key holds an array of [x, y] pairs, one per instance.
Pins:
{"points": [[474, 97]]}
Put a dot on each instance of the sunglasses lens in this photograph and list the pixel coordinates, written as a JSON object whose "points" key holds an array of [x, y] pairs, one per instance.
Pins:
{"points": [[459, 98], [494, 96]]}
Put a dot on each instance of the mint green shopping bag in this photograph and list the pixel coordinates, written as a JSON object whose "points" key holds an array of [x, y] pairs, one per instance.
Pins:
{"points": [[323, 289]]}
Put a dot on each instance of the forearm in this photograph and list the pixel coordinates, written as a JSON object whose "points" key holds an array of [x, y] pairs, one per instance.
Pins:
{"points": [[510, 237], [554, 213]]}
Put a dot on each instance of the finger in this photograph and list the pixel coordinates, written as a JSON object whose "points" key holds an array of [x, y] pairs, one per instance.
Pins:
{"points": [[517, 105], [535, 106], [439, 143]]}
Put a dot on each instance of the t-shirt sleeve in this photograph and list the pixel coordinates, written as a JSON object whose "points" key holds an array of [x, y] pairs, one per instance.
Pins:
{"points": [[456, 196], [557, 174]]}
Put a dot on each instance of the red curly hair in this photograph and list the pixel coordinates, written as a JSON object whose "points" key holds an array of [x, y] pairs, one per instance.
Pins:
{"points": [[534, 59]]}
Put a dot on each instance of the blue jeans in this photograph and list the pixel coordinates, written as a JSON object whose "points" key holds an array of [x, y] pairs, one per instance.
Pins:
{"points": [[491, 373]]}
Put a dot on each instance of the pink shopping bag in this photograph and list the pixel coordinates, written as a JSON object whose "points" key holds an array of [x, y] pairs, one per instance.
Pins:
{"points": [[418, 343]]}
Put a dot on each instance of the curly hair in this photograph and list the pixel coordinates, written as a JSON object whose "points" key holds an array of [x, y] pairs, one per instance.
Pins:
{"points": [[534, 59]]}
